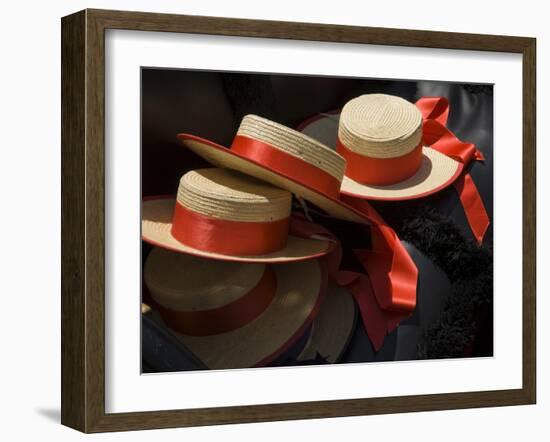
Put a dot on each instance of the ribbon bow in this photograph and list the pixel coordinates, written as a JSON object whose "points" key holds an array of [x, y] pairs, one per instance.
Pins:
{"points": [[435, 112]]}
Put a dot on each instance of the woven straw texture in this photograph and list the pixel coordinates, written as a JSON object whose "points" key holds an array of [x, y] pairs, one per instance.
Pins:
{"points": [[229, 195], [332, 328], [245, 347], [294, 143], [156, 226], [222, 157], [183, 282], [380, 126]]}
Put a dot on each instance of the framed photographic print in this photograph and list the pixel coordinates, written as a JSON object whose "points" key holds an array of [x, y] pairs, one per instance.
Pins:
{"points": [[269, 220]]}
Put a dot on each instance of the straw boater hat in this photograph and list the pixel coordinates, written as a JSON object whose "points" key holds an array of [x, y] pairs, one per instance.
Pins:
{"points": [[380, 136], [221, 214], [324, 341], [231, 314], [285, 158]]}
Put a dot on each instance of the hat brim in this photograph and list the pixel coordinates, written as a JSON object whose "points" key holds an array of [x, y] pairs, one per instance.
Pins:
{"points": [[156, 229], [296, 303], [333, 327], [437, 171], [221, 156]]}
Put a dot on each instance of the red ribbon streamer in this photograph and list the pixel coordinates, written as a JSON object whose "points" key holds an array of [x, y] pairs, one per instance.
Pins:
{"points": [[391, 280], [380, 171], [435, 112], [225, 318], [228, 237], [286, 164]]}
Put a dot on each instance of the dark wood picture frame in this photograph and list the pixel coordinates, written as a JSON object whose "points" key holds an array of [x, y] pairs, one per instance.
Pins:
{"points": [[83, 216]]}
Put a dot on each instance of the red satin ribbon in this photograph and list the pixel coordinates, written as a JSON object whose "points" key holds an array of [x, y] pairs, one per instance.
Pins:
{"points": [[393, 277], [225, 318], [286, 164], [435, 112], [380, 171], [388, 294], [228, 237]]}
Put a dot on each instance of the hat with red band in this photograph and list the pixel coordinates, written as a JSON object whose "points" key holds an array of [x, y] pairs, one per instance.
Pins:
{"points": [[246, 315], [396, 150], [221, 214], [381, 138], [284, 158]]}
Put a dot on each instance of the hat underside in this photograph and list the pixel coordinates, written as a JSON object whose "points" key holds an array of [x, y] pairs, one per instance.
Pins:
{"points": [[294, 306]]}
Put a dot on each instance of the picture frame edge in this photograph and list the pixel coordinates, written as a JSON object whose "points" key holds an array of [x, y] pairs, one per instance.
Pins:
{"points": [[83, 221], [73, 124]]}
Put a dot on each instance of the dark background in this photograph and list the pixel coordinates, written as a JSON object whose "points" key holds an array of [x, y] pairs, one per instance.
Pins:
{"points": [[212, 104]]}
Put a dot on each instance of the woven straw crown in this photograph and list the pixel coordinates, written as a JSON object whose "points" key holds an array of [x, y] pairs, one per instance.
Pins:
{"points": [[185, 283], [380, 126], [293, 143], [229, 195]]}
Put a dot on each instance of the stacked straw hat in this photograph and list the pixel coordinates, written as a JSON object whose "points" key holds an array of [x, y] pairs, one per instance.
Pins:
{"points": [[221, 214], [249, 314], [223, 274], [231, 314], [381, 138], [284, 158]]}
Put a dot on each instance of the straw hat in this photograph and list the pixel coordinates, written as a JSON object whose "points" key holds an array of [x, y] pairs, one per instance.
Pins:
{"points": [[234, 315], [333, 327], [221, 214], [381, 138], [285, 158]]}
